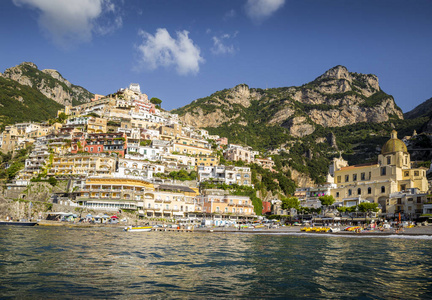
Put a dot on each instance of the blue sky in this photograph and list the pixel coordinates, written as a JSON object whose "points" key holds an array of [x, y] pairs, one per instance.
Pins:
{"points": [[181, 50]]}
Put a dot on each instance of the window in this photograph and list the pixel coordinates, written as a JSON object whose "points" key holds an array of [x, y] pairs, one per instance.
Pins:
{"points": [[337, 194], [406, 174], [149, 205], [363, 176], [383, 189], [339, 179], [167, 206], [369, 190], [346, 178], [349, 192], [416, 173], [419, 200], [354, 177], [383, 171], [359, 191], [388, 160], [226, 209]]}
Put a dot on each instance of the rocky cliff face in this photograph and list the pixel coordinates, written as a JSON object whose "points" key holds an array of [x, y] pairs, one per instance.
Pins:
{"points": [[336, 98], [49, 82]]}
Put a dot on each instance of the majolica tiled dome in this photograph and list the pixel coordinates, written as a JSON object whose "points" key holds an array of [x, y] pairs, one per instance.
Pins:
{"points": [[394, 145]]}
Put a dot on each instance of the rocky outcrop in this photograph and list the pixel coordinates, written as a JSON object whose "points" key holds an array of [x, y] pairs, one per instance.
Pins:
{"points": [[347, 115], [200, 119], [49, 82], [336, 98], [299, 127]]}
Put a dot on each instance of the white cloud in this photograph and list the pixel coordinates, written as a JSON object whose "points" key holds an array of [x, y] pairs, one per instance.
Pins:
{"points": [[259, 10], [220, 46], [163, 50], [230, 14], [69, 22]]}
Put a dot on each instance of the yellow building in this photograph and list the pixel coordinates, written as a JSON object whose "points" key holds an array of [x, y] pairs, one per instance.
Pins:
{"points": [[82, 164], [97, 125], [375, 182], [191, 150], [160, 200], [206, 161]]}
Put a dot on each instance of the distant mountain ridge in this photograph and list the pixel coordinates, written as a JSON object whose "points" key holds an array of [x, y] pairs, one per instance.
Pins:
{"points": [[28, 94], [422, 110], [49, 82], [336, 98]]}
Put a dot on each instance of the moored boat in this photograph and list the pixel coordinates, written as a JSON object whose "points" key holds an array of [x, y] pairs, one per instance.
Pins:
{"points": [[138, 228], [18, 223]]}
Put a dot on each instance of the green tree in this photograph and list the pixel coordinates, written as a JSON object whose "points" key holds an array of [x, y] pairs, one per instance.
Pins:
{"points": [[52, 180], [156, 101], [368, 207], [326, 200], [62, 117], [290, 202]]}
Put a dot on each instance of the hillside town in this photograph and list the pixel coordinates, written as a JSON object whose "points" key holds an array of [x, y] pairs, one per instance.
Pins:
{"points": [[122, 152]]}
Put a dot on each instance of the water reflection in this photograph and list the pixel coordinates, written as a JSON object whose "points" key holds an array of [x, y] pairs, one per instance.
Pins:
{"points": [[106, 262]]}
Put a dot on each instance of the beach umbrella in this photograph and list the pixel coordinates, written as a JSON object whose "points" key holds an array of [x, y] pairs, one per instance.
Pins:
{"points": [[114, 217]]}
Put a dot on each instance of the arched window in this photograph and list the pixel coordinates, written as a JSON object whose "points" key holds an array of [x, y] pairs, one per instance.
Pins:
{"points": [[388, 160], [369, 190], [383, 189], [359, 191], [349, 192]]}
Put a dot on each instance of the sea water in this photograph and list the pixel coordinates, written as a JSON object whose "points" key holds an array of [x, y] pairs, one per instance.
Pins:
{"points": [[80, 263]]}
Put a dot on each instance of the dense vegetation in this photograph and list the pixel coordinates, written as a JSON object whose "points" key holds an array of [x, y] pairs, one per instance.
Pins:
{"points": [[16, 163], [20, 103], [38, 78]]}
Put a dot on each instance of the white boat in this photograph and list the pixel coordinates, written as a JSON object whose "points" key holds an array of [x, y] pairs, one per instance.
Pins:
{"points": [[334, 229], [138, 228]]}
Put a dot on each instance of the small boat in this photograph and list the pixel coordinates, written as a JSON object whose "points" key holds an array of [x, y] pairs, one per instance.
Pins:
{"points": [[138, 228], [334, 229], [18, 223]]}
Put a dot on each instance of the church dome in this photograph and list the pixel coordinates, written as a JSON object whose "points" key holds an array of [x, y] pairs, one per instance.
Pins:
{"points": [[394, 145]]}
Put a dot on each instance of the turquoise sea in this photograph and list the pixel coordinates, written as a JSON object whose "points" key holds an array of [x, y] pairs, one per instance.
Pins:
{"points": [[74, 263]]}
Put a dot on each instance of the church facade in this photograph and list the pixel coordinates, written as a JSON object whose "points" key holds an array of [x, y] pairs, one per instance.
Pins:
{"points": [[376, 182]]}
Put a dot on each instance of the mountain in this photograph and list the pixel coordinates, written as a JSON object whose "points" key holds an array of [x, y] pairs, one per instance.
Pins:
{"points": [[49, 82], [336, 98], [21, 103], [422, 110], [304, 127], [29, 94]]}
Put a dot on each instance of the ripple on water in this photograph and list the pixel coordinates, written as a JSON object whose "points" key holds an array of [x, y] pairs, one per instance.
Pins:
{"points": [[89, 263]]}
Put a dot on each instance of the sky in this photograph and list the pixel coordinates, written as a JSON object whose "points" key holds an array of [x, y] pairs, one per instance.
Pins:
{"points": [[182, 50]]}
